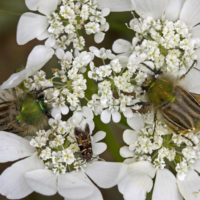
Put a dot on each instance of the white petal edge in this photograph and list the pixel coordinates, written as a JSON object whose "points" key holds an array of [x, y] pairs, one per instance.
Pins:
{"points": [[14, 80], [136, 122], [30, 26], [13, 184], [45, 6], [116, 117], [197, 166], [142, 167], [87, 112], [189, 187], [115, 5], [121, 46], [99, 148], [38, 57], [106, 116], [42, 181], [165, 187], [196, 35], [105, 174], [13, 147], [173, 9], [190, 12], [130, 136], [99, 37], [153, 8], [125, 152], [191, 81], [64, 110], [100, 135], [96, 195], [75, 185], [135, 186]]}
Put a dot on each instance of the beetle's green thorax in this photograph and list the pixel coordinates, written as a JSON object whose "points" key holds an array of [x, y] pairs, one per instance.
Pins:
{"points": [[161, 91], [31, 111]]}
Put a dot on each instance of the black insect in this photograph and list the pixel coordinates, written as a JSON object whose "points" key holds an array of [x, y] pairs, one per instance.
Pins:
{"points": [[84, 142]]}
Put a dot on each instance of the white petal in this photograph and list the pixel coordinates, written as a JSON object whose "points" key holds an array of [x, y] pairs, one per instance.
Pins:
{"points": [[128, 113], [95, 51], [115, 5], [196, 34], [191, 81], [121, 46], [55, 113], [105, 12], [38, 57], [116, 117], [99, 148], [106, 116], [13, 147], [125, 152], [50, 42], [75, 185], [153, 8], [142, 167], [13, 184], [87, 112], [99, 37], [42, 181], [96, 195], [105, 174], [14, 80], [136, 122], [173, 9], [45, 6], [165, 187], [190, 12], [130, 136], [190, 186], [60, 53], [197, 166], [30, 26], [43, 36], [64, 110], [100, 135], [135, 186]]}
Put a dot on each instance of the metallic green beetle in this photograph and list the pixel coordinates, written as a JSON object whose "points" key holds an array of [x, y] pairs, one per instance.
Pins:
{"points": [[24, 114]]}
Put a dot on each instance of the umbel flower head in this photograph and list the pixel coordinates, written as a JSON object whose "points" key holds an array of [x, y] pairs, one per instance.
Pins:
{"points": [[61, 23], [51, 162], [166, 42]]}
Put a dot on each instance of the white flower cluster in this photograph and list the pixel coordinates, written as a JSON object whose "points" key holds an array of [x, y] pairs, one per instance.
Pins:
{"points": [[157, 143], [71, 19], [168, 45], [58, 148], [114, 87], [160, 46], [66, 87]]}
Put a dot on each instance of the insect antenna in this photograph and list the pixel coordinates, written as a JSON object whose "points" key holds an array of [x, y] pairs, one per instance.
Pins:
{"points": [[156, 72], [42, 90], [192, 66], [155, 120]]}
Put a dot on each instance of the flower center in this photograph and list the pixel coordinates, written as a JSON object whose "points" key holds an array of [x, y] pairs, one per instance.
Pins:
{"points": [[72, 19], [168, 45], [58, 147]]}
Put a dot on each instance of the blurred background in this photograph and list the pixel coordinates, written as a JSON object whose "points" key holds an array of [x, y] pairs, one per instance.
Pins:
{"points": [[13, 57]]}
